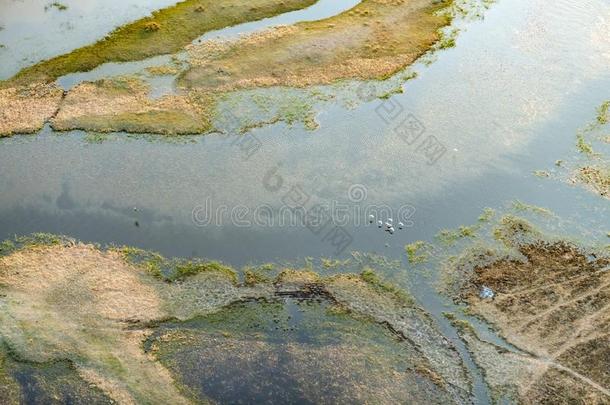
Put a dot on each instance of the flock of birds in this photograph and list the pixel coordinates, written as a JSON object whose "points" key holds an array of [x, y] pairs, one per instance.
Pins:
{"points": [[389, 224]]}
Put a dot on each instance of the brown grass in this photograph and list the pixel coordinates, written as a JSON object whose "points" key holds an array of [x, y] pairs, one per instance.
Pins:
{"points": [[25, 109]]}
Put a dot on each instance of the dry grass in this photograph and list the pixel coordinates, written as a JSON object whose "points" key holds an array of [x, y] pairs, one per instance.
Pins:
{"points": [[166, 31], [122, 104], [25, 109], [556, 305], [76, 302], [373, 40]]}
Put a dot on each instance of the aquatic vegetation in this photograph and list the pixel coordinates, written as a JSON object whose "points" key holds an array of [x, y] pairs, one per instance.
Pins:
{"points": [[333, 263], [593, 169], [487, 215], [191, 268], [520, 206], [57, 5], [178, 26], [449, 236], [253, 277], [417, 252], [164, 70], [603, 113], [372, 278], [122, 104], [584, 146], [514, 230], [598, 178], [93, 309], [95, 138], [232, 355], [361, 43], [542, 173]]}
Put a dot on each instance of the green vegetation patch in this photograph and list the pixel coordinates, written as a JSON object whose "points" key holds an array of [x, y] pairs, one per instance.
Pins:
{"points": [[175, 269], [451, 236], [165, 31], [373, 279], [417, 252]]}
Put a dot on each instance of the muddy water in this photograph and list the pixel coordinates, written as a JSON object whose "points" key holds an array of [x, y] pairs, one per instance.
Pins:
{"points": [[506, 101]]}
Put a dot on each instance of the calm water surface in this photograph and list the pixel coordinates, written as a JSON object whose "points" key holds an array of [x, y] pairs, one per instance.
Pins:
{"points": [[506, 101]]}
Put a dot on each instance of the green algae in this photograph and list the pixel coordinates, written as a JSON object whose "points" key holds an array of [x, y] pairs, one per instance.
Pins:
{"points": [[57, 5], [584, 146], [522, 207], [171, 270], [177, 26], [603, 113], [451, 236], [487, 215], [513, 230], [417, 252]]}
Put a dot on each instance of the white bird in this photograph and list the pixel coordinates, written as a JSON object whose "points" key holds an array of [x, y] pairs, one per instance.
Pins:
{"points": [[400, 225], [391, 230], [371, 218], [379, 224], [390, 220], [388, 225]]}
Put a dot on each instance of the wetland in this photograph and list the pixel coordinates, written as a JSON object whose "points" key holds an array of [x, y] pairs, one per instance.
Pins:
{"points": [[162, 166]]}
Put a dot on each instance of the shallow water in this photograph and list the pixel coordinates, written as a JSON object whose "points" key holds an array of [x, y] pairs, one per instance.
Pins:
{"points": [[31, 34], [505, 102], [269, 352]]}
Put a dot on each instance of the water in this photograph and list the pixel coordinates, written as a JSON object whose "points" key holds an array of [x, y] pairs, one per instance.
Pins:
{"points": [[31, 34], [270, 352], [505, 102]]}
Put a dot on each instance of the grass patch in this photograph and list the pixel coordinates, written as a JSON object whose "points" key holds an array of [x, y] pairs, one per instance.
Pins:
{"points": [[253, 277], [417, 252], [372, 278], [174, 269], [351, 50], [584, 146], [57, 5], [192, 268], [522, 207], [176, 27], [450, 236], [603, 113], [487, 215], [513, 231], [598, 178]]}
